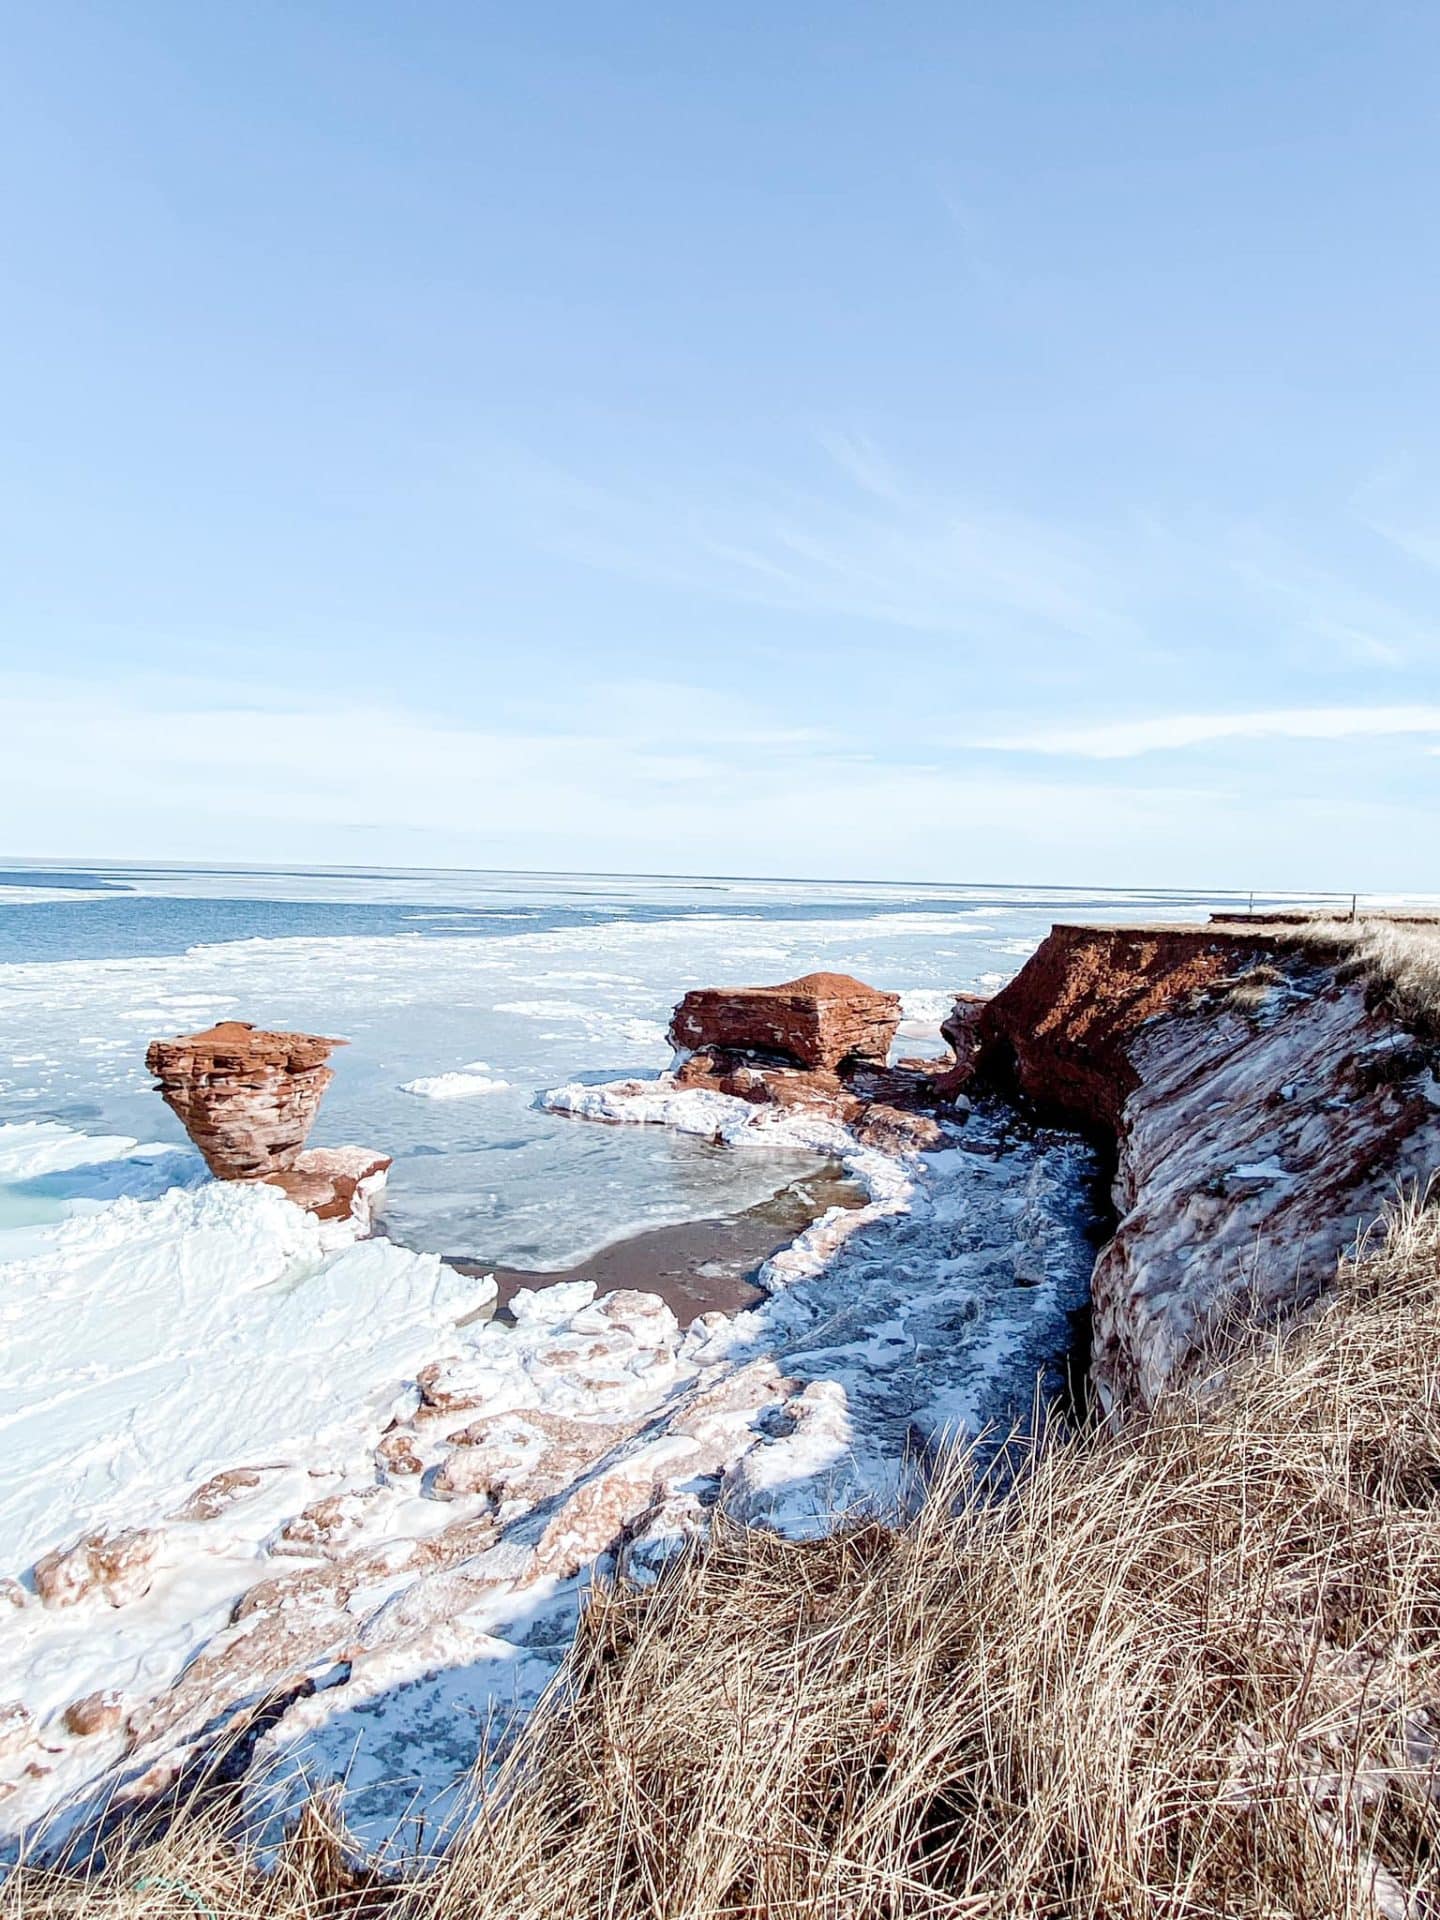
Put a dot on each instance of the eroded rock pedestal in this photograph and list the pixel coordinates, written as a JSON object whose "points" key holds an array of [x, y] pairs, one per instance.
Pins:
{"points": [[820, 1042], [248, 1099]]}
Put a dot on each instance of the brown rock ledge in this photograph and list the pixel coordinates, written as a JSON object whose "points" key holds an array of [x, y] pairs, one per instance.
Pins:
{"points": [[821, 1042]]}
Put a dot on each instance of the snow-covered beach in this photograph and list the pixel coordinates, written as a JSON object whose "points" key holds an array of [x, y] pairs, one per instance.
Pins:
{"points": [[282, 1422]]}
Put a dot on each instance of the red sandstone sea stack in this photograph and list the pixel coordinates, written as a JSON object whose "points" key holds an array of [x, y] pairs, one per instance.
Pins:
{"points": [[821, 1043], [822, 1021], [248, 1099]]}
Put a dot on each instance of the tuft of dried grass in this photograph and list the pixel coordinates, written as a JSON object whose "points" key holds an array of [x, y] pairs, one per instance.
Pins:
{"points": [[1399, 960], [1190, 1668], [1248, 992]]}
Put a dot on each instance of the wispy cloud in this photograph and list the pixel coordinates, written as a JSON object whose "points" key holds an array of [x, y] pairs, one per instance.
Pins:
{"points": [[869, 541], [1360, 625], [1158, 733], [1413, 529], [859, 457], [216, 776], [1419, 542], [901, 555], [110, 769], [1398, 506]]}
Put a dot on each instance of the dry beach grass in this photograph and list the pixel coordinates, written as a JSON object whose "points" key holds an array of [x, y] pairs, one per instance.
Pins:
{"points": [[1187, 1668], [1398, 959]]}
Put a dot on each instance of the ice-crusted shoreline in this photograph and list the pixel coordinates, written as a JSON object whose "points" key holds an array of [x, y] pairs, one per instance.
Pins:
{"points": [[154, 1342], [888, 1330], [420, 1561], [1000, 1201], [888, 1179]]}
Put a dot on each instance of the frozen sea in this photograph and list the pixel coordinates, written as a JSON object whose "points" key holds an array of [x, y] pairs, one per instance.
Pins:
{"points": [[462, 996]]}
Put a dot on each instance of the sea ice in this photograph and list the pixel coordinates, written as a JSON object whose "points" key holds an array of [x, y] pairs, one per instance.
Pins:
{"points": [[464, 1084], [31, 1148], [155, 1342]]}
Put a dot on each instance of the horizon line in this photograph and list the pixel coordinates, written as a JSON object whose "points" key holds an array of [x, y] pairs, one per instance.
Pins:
{"points": [[346, 869]]}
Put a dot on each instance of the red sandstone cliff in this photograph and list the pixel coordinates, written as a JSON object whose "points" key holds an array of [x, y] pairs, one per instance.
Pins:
{"points": [[1257, 1131], [1063, 1028]]}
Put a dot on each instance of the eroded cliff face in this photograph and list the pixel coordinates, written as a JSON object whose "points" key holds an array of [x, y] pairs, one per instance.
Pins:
{"points": [[1062, 1030], [1262, 1116]]}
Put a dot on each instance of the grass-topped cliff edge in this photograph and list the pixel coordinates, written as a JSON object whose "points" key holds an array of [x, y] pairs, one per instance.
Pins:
{"points": [[1397, 958]]}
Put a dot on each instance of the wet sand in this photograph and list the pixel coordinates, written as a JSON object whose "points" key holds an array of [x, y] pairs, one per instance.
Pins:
{"points": [[700, 1266]]}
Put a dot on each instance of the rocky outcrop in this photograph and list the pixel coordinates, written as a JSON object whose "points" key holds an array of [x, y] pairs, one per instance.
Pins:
{"points": [[1262, 1115], [823, 1021], [100, 1712], [1060, 1033], [248, 1099], [334, 1183], [819, 1043], [566, 1437], [118, 1565]]}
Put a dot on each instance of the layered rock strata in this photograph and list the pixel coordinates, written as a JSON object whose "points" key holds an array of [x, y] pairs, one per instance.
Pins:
{"points": [[819, 1043], [334, 1183], [1263, 1114], [820, 1021], [248, 1099]]}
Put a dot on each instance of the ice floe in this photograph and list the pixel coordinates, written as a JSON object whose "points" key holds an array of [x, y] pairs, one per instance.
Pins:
{"points": [[465, 1083], [32, 1148]]}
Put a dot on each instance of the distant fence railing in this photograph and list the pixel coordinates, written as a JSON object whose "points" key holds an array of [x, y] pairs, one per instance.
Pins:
{"points": [[1333, 906]]}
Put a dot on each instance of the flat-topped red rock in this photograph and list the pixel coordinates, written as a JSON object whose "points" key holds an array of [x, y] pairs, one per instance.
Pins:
{"points": [[246, 1097], [821, 1021]]}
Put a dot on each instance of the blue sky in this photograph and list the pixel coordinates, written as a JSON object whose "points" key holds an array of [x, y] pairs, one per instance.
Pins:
{"points": [[919, 442]]}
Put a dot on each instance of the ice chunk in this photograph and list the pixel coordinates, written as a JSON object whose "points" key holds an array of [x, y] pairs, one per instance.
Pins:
{"points": [[464, 1084]]}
